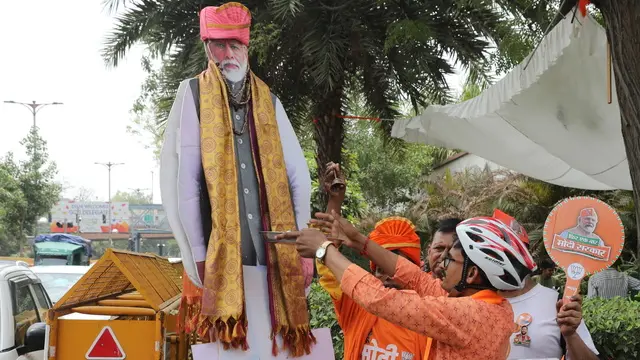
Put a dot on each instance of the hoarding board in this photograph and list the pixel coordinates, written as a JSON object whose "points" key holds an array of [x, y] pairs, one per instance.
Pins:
{"points": [[89, 217]]}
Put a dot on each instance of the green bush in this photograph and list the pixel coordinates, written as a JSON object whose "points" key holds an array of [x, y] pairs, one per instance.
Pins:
{"points": [[323, 315], [615, 326]]}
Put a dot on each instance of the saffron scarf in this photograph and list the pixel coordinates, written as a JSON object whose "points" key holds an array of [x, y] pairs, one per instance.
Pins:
{"points": [[356, 327], [222, 311]]}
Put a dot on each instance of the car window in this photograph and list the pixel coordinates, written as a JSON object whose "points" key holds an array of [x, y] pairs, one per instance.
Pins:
{"points": [[52, 261], [24, 311], [41, 299], [58, 284]]}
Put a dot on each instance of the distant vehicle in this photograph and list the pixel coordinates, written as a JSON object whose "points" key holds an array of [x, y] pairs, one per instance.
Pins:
{"points": [[23, 313], [11, 260], [61, 249], [57, 280]]}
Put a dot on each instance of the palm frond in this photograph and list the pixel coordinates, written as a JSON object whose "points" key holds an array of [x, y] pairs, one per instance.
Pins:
{"points": [[313, 54]]}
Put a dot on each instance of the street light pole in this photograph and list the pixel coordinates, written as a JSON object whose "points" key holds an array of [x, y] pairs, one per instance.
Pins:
{"points": [[109, 165], [33, 107]]}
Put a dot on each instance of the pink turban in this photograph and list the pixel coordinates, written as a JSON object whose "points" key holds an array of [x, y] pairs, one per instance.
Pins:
{"points": [[229, 21]]}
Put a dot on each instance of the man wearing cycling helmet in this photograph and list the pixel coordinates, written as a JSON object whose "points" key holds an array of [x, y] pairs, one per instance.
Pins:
{"points": [[486, 257], [553, 329]]}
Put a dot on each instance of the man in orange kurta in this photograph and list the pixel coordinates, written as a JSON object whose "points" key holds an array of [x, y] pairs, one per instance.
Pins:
{"points": [[472, 323], [367, 336]]}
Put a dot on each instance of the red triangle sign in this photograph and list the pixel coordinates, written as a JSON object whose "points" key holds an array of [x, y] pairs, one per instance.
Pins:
{"points": [[105, 347]]}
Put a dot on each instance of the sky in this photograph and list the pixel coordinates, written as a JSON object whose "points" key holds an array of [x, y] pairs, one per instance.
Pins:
{"points": [[51, 53]]}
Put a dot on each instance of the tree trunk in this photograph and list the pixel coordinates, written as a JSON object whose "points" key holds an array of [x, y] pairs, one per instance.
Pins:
{"points": [[623, 31], [21, 241], [328, 135]]}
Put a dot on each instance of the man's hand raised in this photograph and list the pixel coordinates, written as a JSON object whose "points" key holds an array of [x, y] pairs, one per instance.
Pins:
{"points": [[340, 230]]}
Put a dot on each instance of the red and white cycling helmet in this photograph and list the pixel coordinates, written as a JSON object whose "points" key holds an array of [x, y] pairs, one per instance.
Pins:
{"points": [[496, 249]]}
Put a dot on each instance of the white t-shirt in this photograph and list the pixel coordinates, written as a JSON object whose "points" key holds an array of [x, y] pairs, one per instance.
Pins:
{"points": [[543, 331]]}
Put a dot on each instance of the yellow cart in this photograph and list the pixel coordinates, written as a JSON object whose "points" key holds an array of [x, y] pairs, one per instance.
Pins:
{"points": [[124, 307]]}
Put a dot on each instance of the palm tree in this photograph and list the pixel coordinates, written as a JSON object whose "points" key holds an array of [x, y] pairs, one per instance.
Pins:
{"points": [[313, 52]]}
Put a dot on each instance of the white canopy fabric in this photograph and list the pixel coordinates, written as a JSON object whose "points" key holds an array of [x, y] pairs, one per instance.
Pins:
{"points": [[550, 121]]}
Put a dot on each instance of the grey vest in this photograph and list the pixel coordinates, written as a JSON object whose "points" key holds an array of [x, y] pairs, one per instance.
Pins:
{"points": [[252, 245]]}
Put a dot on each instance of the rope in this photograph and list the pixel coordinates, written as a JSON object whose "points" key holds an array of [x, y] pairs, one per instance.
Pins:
{"points": [[368, 118]]}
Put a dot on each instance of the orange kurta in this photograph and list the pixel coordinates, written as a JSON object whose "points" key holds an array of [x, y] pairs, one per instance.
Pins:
{"points": [[459, 326], [365, 335]]}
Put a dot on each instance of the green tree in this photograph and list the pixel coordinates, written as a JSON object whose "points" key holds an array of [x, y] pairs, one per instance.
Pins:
{"points": [[84, 195], [28, 187], [388, 176], [136, 197], [12, 208], [313, 53]]}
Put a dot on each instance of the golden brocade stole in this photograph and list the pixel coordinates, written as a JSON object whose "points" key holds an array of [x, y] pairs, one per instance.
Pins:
{"points": [[222, 311]]}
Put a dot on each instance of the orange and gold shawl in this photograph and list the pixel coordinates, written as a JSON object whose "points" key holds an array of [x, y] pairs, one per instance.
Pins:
{"points": [[221, 314]]}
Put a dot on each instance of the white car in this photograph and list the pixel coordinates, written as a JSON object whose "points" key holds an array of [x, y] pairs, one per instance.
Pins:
{"points": [[58, 279], [23, 307]]}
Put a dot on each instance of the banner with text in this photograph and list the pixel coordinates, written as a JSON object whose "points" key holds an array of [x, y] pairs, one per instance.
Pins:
{"points": [[89, 217]]}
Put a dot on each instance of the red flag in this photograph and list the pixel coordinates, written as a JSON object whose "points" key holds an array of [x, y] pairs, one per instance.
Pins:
{"points": [[582, 5], [513, 224]]}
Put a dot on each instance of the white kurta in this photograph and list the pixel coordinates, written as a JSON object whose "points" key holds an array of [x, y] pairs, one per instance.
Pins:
{"points": [[180, 167]]}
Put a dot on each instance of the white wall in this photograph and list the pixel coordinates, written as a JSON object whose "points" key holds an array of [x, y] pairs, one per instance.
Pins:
{"points": [[466, 162]]}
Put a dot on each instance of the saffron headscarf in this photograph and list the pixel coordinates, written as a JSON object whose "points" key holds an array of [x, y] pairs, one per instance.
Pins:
{"points": [[229, 21], [397, 233], [588, 212]]}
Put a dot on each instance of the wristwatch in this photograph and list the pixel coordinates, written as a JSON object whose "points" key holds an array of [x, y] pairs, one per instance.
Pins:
{"points": [[322, 251]]}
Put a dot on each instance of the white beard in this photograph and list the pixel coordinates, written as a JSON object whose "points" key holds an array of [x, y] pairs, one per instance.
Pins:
{"points": [[234, 76]]}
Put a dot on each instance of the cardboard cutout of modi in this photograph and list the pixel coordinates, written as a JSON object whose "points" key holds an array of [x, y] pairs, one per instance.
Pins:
{"points": [[231, 167]]}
